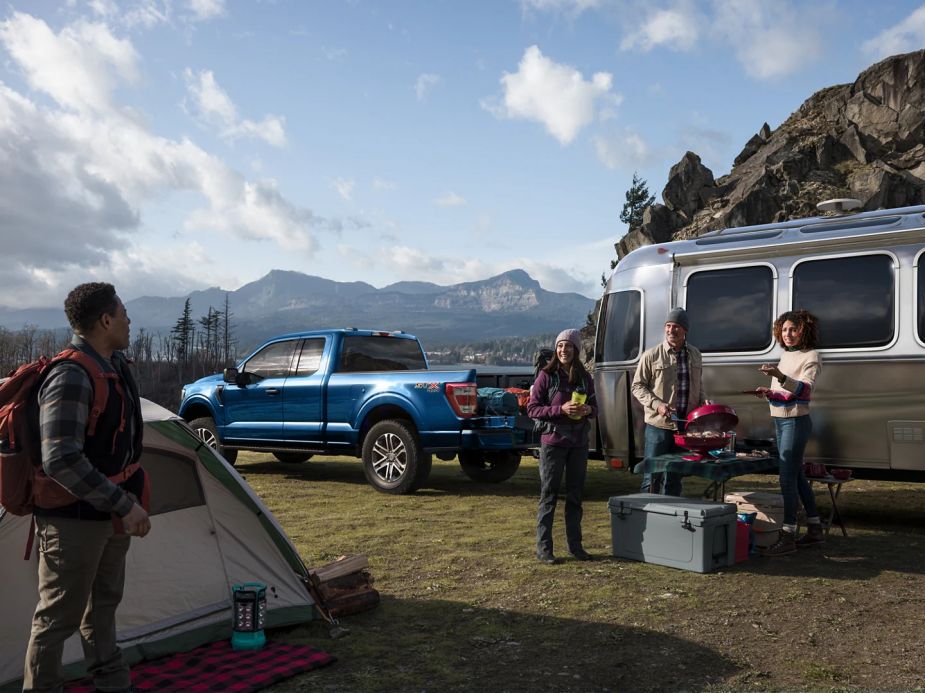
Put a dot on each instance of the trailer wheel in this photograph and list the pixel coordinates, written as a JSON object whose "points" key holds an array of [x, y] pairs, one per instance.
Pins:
{"points": [[292, 457], [493, 466], [393, 460], [204, 427]]}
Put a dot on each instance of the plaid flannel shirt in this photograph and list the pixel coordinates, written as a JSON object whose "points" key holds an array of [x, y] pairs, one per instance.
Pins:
{"points": [[684, 382], [64, 406]]}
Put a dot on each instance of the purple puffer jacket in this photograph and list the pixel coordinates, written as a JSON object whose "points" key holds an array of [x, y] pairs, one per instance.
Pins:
{"points": [[567, 433]]}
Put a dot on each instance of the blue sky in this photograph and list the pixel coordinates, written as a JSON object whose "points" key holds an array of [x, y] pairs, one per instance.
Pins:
{"points": [[172, 145]]}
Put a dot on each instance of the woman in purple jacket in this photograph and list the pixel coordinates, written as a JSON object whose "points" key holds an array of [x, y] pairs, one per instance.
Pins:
{"points": [[563, 397]]}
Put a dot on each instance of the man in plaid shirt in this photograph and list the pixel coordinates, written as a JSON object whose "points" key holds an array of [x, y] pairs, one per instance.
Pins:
{"points": [[82, 545], [667, 385]]}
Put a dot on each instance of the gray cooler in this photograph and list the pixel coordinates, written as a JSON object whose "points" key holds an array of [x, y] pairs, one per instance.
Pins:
{"points": [[685, 533]]}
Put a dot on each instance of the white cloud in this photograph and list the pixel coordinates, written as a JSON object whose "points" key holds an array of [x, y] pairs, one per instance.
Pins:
{"points": [[569, 7], [552, 94], [626, 150], [908, 35], [769, 40], [451, 199], [212, 106], [424, 84], [75, 177], [344, 187], [78, 67], [206, 9], [675, 28], [384, 184]]}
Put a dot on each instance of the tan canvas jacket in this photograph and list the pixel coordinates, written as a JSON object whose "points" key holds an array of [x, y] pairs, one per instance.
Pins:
{"points": [[657, 378]]}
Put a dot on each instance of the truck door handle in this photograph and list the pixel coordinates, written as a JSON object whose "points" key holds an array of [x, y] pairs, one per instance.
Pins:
{"points": [[272, 390]]}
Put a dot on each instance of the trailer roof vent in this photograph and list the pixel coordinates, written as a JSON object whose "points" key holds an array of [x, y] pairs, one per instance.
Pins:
{"points": [[839, 205]]}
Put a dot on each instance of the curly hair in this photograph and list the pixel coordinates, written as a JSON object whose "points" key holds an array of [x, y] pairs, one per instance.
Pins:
{"points": [[87, 303], [804, 321]]}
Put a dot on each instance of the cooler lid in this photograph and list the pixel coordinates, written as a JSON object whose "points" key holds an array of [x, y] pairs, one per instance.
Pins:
{"points": [[671, 505], [712, 417]]}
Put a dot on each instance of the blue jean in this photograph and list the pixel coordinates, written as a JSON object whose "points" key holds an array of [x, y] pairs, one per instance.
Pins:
{"points": [[792, 435], [553, 462], [660, 441]]}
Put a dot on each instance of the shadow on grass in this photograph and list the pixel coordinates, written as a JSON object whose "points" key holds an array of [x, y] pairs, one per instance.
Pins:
{"points": [[444, 646]]}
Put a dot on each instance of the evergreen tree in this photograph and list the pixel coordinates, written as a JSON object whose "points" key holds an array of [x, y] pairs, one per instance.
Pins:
{"points": [[637, 199], [183, 332]]}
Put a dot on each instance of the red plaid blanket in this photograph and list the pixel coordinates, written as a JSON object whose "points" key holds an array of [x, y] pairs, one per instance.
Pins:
{"points": [[216, 667]]}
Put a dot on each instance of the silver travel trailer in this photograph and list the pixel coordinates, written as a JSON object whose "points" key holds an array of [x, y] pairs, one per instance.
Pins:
{"points": [[862, 275]]}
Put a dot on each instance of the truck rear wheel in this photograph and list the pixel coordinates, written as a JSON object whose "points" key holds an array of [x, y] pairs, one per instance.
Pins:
{"points": [[204, 427], [393, 460], [293, 457], [493, 466]]}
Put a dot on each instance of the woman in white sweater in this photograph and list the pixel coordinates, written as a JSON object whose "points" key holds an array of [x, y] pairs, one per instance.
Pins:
{"points": [[793, 381]]}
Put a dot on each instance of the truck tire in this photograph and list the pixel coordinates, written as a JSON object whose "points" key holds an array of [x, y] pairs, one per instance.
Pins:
{"points": [[493, 466], [204, 427], [293, 457], [393, 460]]}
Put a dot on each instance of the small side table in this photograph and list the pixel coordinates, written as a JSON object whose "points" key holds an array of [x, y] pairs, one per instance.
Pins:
{"points": [[834, 485]]}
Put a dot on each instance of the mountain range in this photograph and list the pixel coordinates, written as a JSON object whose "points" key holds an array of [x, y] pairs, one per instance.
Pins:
{"points": [[511, 304]]}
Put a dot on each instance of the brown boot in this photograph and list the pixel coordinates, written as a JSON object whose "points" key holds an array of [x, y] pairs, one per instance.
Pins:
{"points": [[813, 536], [786, 543]]}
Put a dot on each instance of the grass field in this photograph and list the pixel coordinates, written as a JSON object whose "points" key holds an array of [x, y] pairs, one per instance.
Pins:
{"points": [[465, 605]]}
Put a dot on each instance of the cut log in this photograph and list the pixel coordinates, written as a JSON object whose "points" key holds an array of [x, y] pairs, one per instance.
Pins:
{"points": [[353, 603], [346, 584], [342, 566]]}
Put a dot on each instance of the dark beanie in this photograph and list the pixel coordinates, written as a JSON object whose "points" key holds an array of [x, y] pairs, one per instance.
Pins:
{"points": [[679, 317]]}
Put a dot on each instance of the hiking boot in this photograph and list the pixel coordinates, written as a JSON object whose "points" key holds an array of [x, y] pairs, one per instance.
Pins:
{"points": [[786, 543], [581, 555], [813, 536], [547, 558]]}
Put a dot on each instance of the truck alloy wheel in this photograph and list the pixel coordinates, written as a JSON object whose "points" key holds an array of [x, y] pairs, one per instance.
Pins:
{"points": [[204, 427], [492, 466], [392, 458]]}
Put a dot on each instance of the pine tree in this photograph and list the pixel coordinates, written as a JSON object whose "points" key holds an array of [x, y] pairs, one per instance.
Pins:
{"points": [[637, 199], [183, 332]]}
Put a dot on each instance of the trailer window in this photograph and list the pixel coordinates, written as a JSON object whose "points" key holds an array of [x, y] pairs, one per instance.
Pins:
{"points": [[852, 297], [381, 354], [920, 300], [619, 334], [731, 309]]}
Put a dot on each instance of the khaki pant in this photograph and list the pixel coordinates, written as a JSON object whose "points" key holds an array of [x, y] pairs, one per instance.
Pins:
{"points": [[81, 576]]}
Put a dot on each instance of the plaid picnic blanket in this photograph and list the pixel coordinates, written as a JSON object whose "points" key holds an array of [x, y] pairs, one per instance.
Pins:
{"points": [[720, 470], [216, 667]]}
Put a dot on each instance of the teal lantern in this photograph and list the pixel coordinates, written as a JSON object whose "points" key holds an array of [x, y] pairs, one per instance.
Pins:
{"points": [[250, 611]]}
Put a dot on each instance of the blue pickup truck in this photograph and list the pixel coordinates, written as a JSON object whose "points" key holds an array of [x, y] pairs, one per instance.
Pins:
{"points": [[355, 392]]}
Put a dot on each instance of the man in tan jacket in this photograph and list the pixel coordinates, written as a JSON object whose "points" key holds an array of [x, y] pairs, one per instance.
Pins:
{"points": [[668, 382]]}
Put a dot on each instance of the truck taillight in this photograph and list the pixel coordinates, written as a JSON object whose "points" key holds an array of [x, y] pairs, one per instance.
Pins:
{"points": [[462, 398]]}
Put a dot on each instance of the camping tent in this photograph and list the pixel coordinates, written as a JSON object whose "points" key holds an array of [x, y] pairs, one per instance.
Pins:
{"points": [[209, 530]]}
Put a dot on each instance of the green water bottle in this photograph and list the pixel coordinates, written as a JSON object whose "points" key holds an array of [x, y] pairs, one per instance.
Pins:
{"points": [[579, 396]]}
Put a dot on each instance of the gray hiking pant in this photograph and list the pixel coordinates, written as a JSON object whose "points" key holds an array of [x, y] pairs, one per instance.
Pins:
{"points": [[554, 461]]}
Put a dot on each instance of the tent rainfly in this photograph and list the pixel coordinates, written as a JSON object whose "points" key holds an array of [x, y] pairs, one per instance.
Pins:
{"points": [[209, 530]]}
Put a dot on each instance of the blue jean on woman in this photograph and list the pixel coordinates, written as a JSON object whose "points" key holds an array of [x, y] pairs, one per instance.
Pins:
{"points": [[792, 435], [660, 441]]}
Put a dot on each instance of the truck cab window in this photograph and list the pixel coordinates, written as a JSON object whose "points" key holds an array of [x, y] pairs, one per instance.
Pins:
{"points": [[619, 334], [364, 354], [310, 358], [853, 298], [731, 309], [273, 361]]}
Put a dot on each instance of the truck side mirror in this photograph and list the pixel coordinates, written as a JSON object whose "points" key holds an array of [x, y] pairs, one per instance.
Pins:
{"points": [[230, 375]]}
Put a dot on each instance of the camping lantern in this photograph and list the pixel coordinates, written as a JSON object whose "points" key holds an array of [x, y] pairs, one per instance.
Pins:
{"points": [[250, 609]]}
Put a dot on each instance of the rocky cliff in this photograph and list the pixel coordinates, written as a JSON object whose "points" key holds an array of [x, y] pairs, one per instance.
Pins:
{"points": [[861, 140]]}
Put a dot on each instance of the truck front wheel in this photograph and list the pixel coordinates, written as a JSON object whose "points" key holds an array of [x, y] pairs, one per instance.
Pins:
{"points": [[493, 466], [204, 427], [393, 460]]}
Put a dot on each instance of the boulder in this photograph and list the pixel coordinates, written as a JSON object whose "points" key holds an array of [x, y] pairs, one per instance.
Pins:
{"points": [[690, 185]]}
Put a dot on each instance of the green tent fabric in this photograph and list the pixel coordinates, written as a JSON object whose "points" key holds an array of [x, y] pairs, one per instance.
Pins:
{"points": [[209, 531]]}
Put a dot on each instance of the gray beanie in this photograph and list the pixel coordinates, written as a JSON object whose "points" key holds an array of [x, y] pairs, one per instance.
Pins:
{"points": [[570, 336], [679, 317]]}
